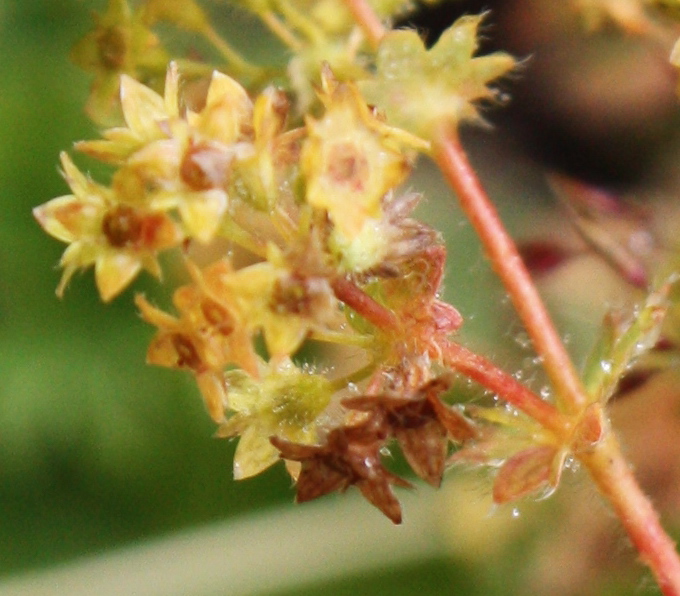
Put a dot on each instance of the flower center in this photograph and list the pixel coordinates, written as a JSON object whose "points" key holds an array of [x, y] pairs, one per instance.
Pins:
{"points": [[348, 166], [112, 48], [204, 167], [122, 226]]}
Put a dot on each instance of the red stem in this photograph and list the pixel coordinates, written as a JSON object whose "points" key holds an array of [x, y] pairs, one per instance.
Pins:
{"points": [[362, 303], [368, 20], [506, 261], [616, 482], [491, 377]]}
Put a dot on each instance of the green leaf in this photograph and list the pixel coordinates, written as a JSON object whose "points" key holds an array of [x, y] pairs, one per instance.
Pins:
{"points": [[622, 341]]}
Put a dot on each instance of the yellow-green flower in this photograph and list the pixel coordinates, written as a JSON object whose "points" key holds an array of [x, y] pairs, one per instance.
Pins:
{"points": [[120, 43], [117, 238], [284, 305], [274, 151], [351, 158], [173, 160], [148, 117], [208, 335], [421, 90], [285, 402]]}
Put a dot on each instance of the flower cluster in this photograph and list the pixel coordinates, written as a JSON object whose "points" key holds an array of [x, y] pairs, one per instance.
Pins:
{"points": [[314, 241], [281, 206], [314, 206]]}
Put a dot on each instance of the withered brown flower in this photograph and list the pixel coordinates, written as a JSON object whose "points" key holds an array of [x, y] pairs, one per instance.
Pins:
{"points": [[421, 423], [350, 456]]}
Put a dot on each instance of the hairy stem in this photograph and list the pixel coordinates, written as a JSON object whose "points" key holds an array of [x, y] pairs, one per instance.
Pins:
{"points": [[358, 300], [491, 377], [605, 462], [506, 261], [616, 482]]}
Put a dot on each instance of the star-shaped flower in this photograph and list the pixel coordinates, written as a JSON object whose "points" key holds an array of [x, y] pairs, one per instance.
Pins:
{"points": [[207, 336], [148, 117], [178, 160], [119, 239], [285, 402], [284, 305], [421, 89], [351, 158]]}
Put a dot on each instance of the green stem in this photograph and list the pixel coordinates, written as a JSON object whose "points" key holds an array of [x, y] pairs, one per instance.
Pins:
{"points": [[506, 261], [343, 339], [355, 377], [301, 22], [281, 31], [235, 59]]}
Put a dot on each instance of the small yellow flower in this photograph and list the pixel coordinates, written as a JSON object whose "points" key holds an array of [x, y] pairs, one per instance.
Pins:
{"points": [[174, 160], [421, 90], [120, 43], [209, 316], [351, 158], [208, 335], [117, 238], [180, 344], [274, 150], [284, 305], [148, 116], [286, 402]]}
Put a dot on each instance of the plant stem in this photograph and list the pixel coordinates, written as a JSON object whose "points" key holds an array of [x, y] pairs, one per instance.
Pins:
{"points": [[606, 464], [231, 55], [491, 377], [506, 261], [281, 31], [354, 297], [616, 482], [368, 20]]}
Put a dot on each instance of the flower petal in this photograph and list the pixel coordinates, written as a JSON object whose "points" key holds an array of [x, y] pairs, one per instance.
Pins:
{"points": [[202, 211], [66, 218], [227, 108], [254, 453], [113, 273], [143, 108]]}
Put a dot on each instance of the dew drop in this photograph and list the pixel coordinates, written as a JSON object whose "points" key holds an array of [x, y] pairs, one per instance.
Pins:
{"points": [[545, 392], [522, 340], [571, 464], [515, 512], [529, 362], [606, 365]]}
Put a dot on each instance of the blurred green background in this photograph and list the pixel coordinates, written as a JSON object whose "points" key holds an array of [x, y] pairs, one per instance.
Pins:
{"points": [[99, 452]]}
